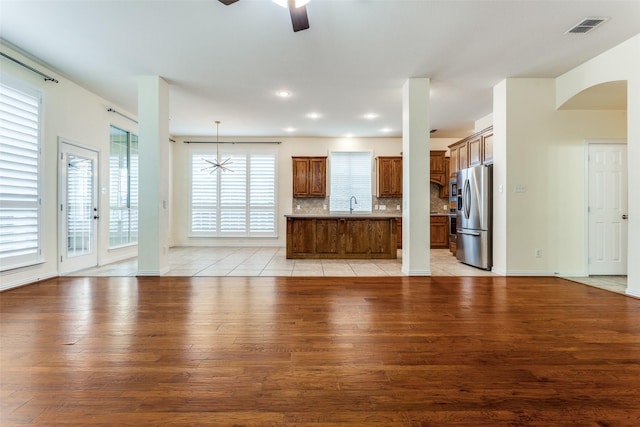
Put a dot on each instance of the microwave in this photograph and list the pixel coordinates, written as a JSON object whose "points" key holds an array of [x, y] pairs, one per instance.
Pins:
{"points": [[453, 188]]}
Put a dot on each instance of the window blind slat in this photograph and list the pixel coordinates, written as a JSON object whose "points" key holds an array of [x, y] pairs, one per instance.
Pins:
{"points": [[19, 177], [240, 202], [123, 182], [350, 175]]}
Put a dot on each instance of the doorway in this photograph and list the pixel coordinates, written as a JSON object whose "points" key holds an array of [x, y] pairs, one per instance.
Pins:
{"points": [[78, 201], [607, 208]]}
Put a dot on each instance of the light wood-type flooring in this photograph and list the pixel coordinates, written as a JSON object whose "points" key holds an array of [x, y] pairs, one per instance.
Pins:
{"points": [[318, 351]]}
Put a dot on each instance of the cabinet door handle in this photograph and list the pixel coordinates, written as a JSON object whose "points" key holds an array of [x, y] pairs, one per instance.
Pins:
{"points": [[625, 216]]}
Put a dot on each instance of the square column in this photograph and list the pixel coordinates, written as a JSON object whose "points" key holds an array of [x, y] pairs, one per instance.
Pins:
{"points": [[416, 166], [153, 198]]}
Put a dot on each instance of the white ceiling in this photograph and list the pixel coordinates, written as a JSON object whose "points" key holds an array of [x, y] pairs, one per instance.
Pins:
{"points": [[226, 62]]}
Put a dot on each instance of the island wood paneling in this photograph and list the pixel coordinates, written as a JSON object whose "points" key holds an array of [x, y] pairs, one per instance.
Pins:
{"points": [[370, 351], [342, 237], [326, 236]]}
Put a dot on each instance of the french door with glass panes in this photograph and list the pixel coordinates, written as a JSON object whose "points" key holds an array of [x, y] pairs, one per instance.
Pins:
{"points": [[78, 207]]}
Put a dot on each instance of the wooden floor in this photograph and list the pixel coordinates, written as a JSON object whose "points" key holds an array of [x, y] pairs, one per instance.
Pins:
{"points": [[394, 351]]}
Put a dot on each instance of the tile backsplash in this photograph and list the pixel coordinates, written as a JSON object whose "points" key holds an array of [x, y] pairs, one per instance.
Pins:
{"points": [[392, 205], [320, 206], [438, 204]]}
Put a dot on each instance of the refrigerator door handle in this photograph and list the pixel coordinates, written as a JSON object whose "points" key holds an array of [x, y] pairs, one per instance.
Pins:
{"points": [[469, 233], [467, 199]]}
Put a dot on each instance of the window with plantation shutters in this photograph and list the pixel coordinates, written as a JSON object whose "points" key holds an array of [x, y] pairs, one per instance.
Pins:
{"points": [[19, 176], [350, 175], [123, 188], [240, 202]]}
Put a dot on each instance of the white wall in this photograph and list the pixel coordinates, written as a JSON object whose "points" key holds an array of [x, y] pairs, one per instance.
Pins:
{"points": [[619, 63], [443, 143], [542, 149], [77, 115], [290, 146], [483, 123]]}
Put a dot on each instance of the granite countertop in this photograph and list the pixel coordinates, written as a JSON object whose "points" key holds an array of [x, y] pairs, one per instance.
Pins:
{"points": [[344, 215]]}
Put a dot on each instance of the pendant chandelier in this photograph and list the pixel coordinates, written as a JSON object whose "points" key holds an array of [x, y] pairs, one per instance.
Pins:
{"points": [[216, 163]]}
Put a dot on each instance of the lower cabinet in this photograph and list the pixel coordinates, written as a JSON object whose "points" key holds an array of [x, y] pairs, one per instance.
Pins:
{"points": [[439, 232], [342, 237]]}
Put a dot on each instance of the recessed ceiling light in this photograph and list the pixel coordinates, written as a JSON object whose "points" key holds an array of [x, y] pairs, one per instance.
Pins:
{"points": [[349, 135], [371, 116], [385, 130], [314, 115], [290, 129], [283, 93]]}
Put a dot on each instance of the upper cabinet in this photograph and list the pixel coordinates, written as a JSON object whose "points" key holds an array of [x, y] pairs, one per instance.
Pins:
{"points": [[474, 150], [437, 160], [309, 176], [487, 141], [389, 176]]}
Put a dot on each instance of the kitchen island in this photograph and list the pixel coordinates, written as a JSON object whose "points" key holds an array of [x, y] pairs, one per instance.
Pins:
{"points": [[342, 236]]}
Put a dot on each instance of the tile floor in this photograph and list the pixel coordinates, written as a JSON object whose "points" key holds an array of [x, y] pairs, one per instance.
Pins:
{"points": [[616, 284], [207, 261], [244, 261]]}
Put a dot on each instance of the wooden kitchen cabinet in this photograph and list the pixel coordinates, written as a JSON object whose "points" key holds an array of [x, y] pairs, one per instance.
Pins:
{"points": [[444, 189], [458, 158], [389, 176], [336, 237], [487, 141], [437, 162], [309, 176], [453, 161], [399, 221], [439, 232], [474, 150]]}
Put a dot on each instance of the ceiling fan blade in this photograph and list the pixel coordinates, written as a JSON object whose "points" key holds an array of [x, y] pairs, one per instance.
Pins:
{"points": [[227, 2], [299, 18]]}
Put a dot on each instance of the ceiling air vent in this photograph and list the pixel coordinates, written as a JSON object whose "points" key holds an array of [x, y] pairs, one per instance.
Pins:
{"points": [[586, 25]]}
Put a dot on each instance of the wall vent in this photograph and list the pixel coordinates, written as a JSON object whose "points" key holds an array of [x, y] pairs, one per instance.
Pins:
{"points": [[586, 25]]}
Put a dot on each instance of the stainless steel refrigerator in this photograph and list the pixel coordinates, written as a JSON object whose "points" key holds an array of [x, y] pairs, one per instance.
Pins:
{"points": [[474, 216]]}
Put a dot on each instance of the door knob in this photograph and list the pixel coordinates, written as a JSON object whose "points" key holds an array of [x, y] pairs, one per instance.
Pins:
{"points": [[625, 216], [96, 217]]}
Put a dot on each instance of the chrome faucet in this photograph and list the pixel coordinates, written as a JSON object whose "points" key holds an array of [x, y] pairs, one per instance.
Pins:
{"points": [[352, 199]]}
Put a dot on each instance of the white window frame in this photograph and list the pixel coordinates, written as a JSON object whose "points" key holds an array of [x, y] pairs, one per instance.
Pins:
{"points": [[36, 257], [210, 153], [364, 201], [137, 204]]}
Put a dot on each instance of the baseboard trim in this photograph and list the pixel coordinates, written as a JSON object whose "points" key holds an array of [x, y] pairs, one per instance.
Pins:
{"points": [[632, 293], [165, 270], [417, 272], [529, 273], [25, 282]]}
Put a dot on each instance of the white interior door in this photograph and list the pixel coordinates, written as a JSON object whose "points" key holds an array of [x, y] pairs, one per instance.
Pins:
{"points": [[78, 202], [607, 209]]}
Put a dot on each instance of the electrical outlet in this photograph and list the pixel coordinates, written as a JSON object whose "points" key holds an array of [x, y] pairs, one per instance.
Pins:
{"points": [[538, 253], [383, 207], [298, 207], [324, 207]]}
